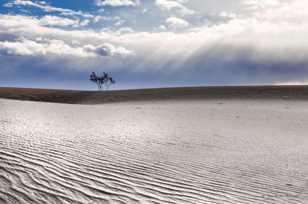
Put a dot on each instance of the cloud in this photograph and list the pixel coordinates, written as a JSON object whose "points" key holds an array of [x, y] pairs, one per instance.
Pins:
{"points": [[31, 28], [276, 12], [108, 49], [263, 32], [58, 21], [176, 23], [58, 48], [117, 3], [266, 39], [226, 15], [47, 8], [176, 5], [268, 44], [24, 3], [43, 47], [256, 4], [124, 30]]}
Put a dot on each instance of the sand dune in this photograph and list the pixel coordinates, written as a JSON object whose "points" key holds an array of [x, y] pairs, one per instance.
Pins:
{"points": [[188, 93], [202, 151]]}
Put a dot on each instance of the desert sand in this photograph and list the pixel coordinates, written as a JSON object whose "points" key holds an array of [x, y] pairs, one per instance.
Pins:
{"points": [[185, 145]]}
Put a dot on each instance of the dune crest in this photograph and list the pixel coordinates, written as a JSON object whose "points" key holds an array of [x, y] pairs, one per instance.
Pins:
{"points": [[183, 93]]}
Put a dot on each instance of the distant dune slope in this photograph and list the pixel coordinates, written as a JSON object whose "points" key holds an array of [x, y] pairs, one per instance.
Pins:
{"points": [[184, 93]]}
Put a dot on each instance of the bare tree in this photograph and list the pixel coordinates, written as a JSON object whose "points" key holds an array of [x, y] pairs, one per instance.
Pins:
{"points": [[94, 78], [102, 82]]}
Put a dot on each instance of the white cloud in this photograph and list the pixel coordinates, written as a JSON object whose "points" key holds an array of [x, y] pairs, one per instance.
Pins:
{"points": [[47, 47], [30, 27], [119, 22], [276, 33], [97, 19], [261, 4], [116, 3], [264, 33], [227, 15], [22, 3], [47, 8], [38, 40], [108, 49], [58, 21], [124, 30], [292, 12], [83, 23], [176, 5], [176, 23]]}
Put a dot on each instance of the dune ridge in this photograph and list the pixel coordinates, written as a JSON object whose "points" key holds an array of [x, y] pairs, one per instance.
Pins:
{"points": [[182, 93]]}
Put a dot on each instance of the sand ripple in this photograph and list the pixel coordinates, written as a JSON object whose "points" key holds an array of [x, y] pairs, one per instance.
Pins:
{"points": [[151, 153]]}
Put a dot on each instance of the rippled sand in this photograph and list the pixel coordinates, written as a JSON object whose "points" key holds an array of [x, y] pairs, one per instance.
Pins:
{"points": [[206, 151]]}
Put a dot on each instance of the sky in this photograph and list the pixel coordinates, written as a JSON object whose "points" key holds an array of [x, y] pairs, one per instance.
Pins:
{"points": [[153, 43]]}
